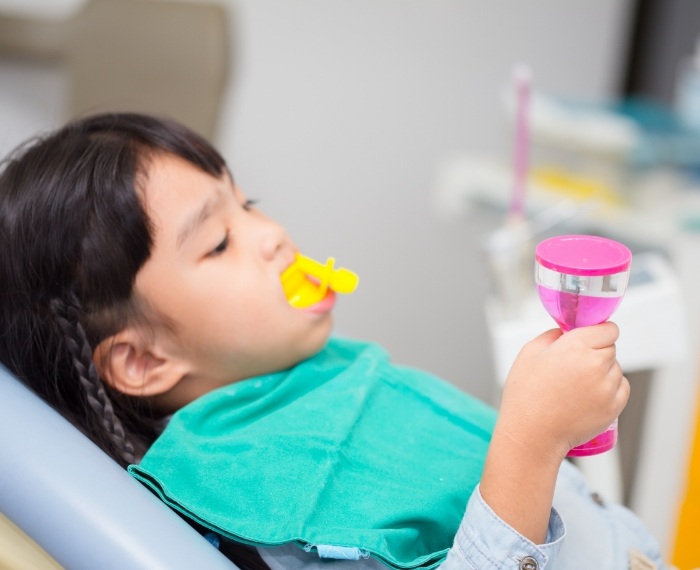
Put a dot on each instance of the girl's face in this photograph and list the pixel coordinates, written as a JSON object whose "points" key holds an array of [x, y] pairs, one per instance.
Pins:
{"points": [[214, 272]]}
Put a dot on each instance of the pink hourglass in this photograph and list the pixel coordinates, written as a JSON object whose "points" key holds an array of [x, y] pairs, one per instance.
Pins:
{"points": [[581, 280]]}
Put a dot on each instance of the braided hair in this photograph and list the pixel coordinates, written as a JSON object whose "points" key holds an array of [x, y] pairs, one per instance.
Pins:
{"points": [[73, 235], [67, 315]]}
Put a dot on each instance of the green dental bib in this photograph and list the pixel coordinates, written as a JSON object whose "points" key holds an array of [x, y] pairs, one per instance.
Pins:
{"points": [[345, 453]]}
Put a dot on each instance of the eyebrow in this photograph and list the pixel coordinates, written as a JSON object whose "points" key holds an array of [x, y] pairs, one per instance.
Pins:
{"points": [[194, 222]]}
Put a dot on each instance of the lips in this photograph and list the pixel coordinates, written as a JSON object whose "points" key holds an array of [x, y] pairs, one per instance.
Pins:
{"points": [[325, 305]]}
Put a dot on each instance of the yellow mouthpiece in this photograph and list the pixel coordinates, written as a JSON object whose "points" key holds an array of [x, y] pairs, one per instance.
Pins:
{"points": [[302, 292]]}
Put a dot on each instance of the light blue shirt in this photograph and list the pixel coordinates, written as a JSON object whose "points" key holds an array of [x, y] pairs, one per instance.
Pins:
{"points": [[584, 532]]}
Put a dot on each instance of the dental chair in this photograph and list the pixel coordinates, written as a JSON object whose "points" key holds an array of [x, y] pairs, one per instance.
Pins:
{"points": [[78, 505]]}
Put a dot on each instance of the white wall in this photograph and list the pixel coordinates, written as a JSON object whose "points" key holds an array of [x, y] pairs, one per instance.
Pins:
{"points": [[340, 112]]}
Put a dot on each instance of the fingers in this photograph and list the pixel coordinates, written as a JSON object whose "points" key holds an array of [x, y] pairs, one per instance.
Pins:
{"points": [[545, 339], [599, 336], [624, 392], [621, 386], [606, 356]]}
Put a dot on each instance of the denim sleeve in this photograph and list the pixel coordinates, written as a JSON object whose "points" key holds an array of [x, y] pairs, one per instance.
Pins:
{"points": [[485, 542]]}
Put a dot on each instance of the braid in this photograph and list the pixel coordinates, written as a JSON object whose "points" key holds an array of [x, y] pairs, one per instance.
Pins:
{"points": [[67, 315], [83, 185]]}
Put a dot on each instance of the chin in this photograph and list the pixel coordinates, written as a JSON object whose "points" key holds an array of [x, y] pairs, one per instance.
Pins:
{"points": [[317, 340]]}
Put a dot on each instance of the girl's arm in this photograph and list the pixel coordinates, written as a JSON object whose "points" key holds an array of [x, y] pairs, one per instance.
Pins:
{"points": [[561, 391]]}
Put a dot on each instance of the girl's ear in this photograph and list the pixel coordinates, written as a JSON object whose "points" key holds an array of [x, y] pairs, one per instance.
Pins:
{"points": [[132, 364]]}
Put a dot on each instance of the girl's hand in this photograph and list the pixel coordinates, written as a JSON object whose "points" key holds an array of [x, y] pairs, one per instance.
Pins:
{"points": [[563, 390]]}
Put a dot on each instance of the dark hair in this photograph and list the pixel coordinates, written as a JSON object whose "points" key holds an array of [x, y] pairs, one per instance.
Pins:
{"points": [[74, 234]]}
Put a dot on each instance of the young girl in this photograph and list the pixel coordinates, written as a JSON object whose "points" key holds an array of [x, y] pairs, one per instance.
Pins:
{"points": [[139, 284]]}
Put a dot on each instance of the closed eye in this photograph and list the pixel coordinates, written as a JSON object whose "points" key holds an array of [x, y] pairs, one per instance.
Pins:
{"points": [[221, 248]]}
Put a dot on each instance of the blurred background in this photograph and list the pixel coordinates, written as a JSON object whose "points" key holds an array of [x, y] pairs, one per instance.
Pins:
{"points": [[381, 132]]}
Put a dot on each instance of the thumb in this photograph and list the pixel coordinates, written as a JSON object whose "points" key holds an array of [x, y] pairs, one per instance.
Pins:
{"points": [[545, 339]]}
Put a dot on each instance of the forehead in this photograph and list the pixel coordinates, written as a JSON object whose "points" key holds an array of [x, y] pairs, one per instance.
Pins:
{"points": [[173, 189], [169, 174]]}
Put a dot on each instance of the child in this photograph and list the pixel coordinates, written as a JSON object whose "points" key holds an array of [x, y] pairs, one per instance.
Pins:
{"points": [[138, 282]]}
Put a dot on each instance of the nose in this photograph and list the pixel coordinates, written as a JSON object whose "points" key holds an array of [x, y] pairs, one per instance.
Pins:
{"points": [[273, 238]]}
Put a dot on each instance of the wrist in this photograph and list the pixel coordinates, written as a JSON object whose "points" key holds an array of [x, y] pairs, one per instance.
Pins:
{"points": [[518, 483], [537, 451], [526, 436]]}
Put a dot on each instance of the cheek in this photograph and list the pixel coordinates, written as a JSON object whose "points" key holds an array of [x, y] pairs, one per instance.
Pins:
{"points": [[236, 310], [216, 300]]}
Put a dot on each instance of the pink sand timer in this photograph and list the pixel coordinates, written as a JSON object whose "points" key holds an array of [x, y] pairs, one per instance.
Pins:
{"points": [[581, 280]]}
